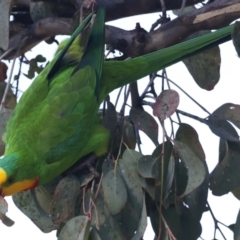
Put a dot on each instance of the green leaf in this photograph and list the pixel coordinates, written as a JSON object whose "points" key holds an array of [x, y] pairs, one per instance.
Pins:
{"points": [[129, 137], [114, 192], [63, 202], [94, 235], [222, 128], [188, 135], [151, 167], [6, 220], [3, 210], [40, 58], [195, 167], [145, 122], [42, 199], [76, 228], [131, 214], [183, 226], [236, 37], [142, 225], [33, 66], [103, 222], [237, 228], [196, 199], [204, 67], [3, 205], [230, 112], [225, 176], [25, 202]]}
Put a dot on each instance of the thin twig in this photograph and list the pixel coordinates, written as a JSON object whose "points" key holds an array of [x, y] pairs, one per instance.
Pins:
{"points": [[215, 223], [18, 75], [191, 116]]}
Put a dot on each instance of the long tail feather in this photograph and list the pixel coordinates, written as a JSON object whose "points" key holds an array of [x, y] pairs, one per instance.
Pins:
{"points": [[94, 52], [118, 73]]}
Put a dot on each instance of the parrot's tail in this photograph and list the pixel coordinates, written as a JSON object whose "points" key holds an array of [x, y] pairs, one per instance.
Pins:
{"points": [[120, 73]]}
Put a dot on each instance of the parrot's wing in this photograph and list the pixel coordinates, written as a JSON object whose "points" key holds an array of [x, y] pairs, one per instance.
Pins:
{"points": [[70, 112], [58, 107], [39, 89], [94, 54]]}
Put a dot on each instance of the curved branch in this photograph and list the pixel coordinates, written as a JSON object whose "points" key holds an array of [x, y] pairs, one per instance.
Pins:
{"points": [[137, 42], [119, 9]]}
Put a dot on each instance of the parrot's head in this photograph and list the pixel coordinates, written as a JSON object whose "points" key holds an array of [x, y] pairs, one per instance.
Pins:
{"points": [[14, 177]]}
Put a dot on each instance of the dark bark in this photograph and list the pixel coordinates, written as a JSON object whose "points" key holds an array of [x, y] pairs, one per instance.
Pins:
{"points": [[135, 42]]}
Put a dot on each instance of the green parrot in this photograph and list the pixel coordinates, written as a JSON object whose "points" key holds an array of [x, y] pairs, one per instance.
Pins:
{"points": [[56, 121]]}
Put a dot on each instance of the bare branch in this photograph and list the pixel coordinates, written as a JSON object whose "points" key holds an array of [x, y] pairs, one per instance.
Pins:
{"points": [[137, 42]]}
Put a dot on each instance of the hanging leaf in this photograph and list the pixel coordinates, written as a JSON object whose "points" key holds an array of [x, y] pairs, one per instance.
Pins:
{"points": [[183, 226], [166, 104], [84, 179], [3, 210], [236, 37], [204, 67], [188, 135], [129, 172], [225, 176], [3, 205], [131, 214], [223, 152], [142, 225], [129, 137], [76, 228], [222, 128], [25, 202], [94, 235], [151, 166], [114, 192], [196, 199], [42, 198], [103, 222], [237, 228], [63, 202], [195, 167], [33, 66], [145, 122], [230, 112]]}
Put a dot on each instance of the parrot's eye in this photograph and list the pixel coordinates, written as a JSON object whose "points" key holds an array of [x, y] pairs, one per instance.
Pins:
{"points": [[10, 180]]}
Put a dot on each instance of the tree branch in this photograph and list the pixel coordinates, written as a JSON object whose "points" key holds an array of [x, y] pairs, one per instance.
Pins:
{"points": [[136, 42]]}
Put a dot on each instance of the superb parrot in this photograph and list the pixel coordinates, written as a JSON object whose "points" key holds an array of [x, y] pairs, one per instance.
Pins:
{"points": [[56, 121]]}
